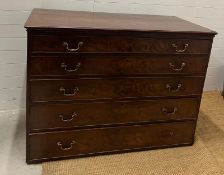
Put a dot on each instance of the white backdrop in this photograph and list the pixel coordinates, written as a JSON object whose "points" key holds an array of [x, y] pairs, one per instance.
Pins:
{"points": [[13, 14]]}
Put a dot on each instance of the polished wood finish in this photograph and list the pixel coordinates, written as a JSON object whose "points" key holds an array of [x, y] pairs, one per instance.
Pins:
{"points": [[83, 65], [88, 141], [80, 115], [100, 83], [54, 19], [54, 43], [113, 88]]}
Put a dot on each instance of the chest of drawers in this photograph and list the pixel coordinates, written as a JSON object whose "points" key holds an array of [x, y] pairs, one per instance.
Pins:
{"points": [[101, 83]]}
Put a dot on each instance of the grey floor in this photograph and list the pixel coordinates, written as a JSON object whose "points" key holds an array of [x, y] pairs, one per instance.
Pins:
{"points": [[12, 145]]}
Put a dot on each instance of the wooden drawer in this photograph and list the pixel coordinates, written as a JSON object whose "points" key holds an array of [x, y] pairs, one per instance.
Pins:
{"points": [[106, 113], [74, 43], [118, 65], [113, 139], [113, 88]]}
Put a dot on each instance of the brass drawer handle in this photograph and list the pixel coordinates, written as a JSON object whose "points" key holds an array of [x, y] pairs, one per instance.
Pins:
{"points": [[174, 89], [170, 112], [66, 148], [177, 69], [66, 45], [75, 91], [171, 133], [69, 119], [77, 66], [179, 50]]}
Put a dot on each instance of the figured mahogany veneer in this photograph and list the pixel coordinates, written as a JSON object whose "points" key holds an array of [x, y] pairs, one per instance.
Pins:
{"points": [[55, 43], [118, 65], [109, 88], [100, 83], [111, 139], [59, 116]]}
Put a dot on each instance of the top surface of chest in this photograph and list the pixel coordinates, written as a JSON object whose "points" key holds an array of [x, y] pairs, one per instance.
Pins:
{"points": [[60, 19]]}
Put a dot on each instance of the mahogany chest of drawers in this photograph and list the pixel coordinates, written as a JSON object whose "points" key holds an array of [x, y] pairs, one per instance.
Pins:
{"points": [[101, 83]]}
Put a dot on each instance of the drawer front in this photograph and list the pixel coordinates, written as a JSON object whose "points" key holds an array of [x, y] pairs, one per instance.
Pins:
{"points": [[119, 65], [115, 88], [85, 114], [74, 44], [102, 140]]}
